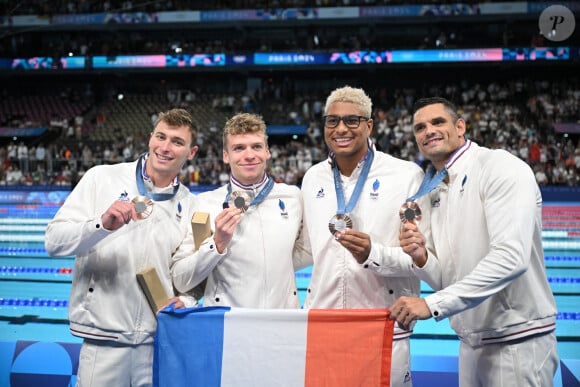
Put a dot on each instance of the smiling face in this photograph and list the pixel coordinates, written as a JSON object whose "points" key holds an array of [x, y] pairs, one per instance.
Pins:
{"points": [[437, 134], [247, 155], [169, 148], [349, 145]]}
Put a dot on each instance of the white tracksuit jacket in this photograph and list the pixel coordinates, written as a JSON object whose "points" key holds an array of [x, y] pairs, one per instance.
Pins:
{"points": [[488, 262], [338, 280], [256, 269], [106, 302]]}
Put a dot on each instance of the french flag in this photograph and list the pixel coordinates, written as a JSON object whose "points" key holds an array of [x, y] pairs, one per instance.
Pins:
{"points": [[222, 346]]}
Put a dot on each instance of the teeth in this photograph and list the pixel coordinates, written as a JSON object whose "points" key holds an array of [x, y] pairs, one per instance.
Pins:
{"points": [[342, 139]]}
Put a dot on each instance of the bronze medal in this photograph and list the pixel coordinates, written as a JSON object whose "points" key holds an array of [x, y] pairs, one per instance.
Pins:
{"points": [[410, 212], [339, 222], [143, 206], [240, 199]]}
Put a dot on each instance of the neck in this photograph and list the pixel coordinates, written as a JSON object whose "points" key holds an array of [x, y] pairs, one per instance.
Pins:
{"points": [[255, 184], [438, 165], [159, 181], [450, 158], [346, 166]]}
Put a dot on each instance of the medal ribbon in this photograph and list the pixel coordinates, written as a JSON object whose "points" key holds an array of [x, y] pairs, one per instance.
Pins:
{"points": [[341, 207], [159, 197], [260, 197], [430, 181]]}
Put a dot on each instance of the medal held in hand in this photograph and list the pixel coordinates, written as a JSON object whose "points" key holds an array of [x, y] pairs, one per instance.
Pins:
{"points": [[143, 206], [240, 199], [339, 222], [410, 212]]}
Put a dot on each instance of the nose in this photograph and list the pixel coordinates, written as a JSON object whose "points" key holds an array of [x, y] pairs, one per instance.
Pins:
{"points": [[249, 154], [164, 145], [429, 130], [341, 127]]}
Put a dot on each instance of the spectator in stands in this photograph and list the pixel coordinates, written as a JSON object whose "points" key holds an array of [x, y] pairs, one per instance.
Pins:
{"points": [[14, 175], [248, 261], [119, 220], [540, 175], [351, 212], [486, 263], [40, 155], [23, 156]]}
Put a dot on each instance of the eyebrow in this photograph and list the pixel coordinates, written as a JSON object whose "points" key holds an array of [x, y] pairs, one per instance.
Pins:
{"points": [[244, 144], [434, 119], [172, 138]]}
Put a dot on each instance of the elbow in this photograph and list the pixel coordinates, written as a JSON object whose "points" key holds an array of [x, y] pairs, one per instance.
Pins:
{"points": [[517, 262], [180, 282], [52, 249], [181, 285], [520, 268]]}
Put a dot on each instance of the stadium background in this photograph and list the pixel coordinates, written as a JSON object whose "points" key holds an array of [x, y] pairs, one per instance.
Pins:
{"points": [[82, 81]]}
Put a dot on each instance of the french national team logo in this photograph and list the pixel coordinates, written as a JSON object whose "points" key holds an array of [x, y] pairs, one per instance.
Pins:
{"points": [[282, 207], [375, 192]]}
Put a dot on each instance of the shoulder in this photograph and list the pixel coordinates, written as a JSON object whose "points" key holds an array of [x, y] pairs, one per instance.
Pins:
{"points": [[385, 162], [185, 192], [286, 189], [111, 169], [317, 169], [217, 192], [500, 161], [500, 167]]}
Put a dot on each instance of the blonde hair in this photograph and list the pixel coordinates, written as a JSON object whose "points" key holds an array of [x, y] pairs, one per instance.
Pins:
{"points": [[352, 95], [243, 123]]}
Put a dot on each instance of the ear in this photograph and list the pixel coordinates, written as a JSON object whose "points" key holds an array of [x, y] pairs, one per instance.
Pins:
{"points": [[192, 152], [460, 127], [225, 156], [371, 124], [268, 154]]}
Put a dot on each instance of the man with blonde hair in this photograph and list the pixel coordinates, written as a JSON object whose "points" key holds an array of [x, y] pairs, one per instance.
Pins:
{"points": [[352, 205]]}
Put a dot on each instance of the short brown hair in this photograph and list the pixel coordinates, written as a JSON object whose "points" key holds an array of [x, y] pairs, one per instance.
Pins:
{"points": [[178, 117], [449, 106], [243, 123]]}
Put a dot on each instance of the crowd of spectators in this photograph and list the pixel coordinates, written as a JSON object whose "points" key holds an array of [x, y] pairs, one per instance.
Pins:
{"points": [[238, 37], [516, 115], [53, 7]]}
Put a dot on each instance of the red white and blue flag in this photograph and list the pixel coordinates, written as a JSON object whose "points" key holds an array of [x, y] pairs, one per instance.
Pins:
{"points": [[221, 346]]}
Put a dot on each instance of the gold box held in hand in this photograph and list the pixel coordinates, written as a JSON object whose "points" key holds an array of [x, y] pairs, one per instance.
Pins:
{"points": [[151, 286], [200, 227]]}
